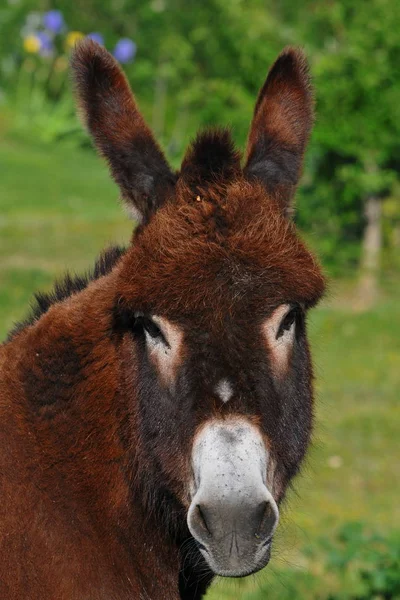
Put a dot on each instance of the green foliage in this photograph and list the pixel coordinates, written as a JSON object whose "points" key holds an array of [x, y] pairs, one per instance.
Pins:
{"points": [[372, 560], [354, 50], [356, 565], [190, 70], [36, 81], [43, 104], [201, 64]]}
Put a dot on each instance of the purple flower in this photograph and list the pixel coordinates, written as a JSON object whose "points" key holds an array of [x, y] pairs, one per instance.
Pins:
{"points": [[46, 43], [125, 50], [53, 20], [96, 37]]}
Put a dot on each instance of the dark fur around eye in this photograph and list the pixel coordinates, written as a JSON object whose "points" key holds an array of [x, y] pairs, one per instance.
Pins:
{"points": [[291, 317]]}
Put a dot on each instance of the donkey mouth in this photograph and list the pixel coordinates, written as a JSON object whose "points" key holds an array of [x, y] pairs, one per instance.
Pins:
{"points": [[237, 565]]}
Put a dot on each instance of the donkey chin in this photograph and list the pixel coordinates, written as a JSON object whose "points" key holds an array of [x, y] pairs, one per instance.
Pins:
{"points": [[232, 515]]}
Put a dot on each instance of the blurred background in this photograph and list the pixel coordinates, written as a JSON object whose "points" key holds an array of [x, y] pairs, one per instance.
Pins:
{"points": [[194, 64]]}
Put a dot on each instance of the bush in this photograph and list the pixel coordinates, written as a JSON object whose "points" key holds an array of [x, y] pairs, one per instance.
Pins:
{"points": [[372, 561], [36, 80], [353, 565]]}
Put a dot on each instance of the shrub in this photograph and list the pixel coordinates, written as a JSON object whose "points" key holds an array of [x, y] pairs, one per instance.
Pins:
{"points": [[38, 90], [353, 565]]}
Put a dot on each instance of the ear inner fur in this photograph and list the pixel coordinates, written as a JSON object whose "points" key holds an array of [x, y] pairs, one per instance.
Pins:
{"points": [[281, 126]]}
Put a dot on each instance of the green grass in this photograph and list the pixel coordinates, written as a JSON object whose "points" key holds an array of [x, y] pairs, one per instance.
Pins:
{"points": [[58, 208]]}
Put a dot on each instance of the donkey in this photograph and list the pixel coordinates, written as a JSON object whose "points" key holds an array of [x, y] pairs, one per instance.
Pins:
{"points": [[153, 414]]}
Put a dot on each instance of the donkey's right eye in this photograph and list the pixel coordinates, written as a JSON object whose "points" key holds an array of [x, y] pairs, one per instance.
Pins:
{"points": [[151, 328]]}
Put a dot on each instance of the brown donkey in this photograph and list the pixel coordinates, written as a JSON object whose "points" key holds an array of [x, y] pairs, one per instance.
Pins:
{"points": [[153, 414]]}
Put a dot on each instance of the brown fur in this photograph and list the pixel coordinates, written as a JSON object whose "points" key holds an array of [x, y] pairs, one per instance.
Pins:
{"points": [[94, 451], [68, 528]]}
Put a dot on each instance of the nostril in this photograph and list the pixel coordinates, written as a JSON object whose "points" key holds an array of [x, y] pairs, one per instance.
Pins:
{"points": [[266, 520], [201, 546], [202, 518], [267, 541]]}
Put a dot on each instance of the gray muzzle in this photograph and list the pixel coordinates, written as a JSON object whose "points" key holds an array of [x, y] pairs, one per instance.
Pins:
{"points": [[232, 515]]}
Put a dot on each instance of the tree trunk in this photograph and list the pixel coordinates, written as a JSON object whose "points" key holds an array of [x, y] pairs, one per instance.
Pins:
{"points": [[371, 249]]}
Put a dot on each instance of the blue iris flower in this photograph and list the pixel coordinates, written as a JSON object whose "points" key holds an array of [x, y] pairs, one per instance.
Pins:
{"points": [[125, 50], [96, 37], [46, 43], [53, 20]]}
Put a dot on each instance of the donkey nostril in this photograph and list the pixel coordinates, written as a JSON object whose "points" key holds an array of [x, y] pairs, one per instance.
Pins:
{"points": [[266, 519], [267, 541], [201, 546], [202, 518]]}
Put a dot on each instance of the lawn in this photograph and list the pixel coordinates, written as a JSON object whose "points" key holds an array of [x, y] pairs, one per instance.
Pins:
{"points": [[58, 208]]}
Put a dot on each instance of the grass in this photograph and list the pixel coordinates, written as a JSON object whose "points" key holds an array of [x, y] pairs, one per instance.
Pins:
{"points": [[58, 208]]}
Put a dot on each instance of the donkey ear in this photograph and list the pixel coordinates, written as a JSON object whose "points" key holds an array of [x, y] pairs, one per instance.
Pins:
{"points": [[118, 130], [281, 126]]}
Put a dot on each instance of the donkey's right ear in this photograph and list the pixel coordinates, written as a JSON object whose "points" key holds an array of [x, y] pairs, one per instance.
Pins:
{"points": [[119, 131]]}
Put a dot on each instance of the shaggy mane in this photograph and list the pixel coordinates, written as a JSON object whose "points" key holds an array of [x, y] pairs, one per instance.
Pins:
{"points": [[67, 286]]}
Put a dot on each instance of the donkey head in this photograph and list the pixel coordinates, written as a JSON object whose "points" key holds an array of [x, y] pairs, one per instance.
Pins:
{"points": [[211, 307]]}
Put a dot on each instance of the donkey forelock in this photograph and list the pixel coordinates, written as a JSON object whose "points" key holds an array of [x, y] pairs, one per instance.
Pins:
{"points": [[220, 251]]}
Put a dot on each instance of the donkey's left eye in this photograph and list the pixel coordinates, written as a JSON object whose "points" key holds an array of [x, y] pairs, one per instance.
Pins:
{"points": [[288, 321]]}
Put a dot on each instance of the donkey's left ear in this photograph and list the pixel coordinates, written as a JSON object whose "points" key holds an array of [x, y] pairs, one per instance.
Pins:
{"points": [[119, 130], [281, 126]]}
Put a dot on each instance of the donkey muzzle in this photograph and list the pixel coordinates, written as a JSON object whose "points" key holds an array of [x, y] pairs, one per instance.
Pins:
{"points": [[232, 515]]}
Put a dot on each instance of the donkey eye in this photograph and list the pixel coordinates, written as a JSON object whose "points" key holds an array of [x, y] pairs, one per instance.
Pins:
{"points": [[288, 321], [151, 328]]}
